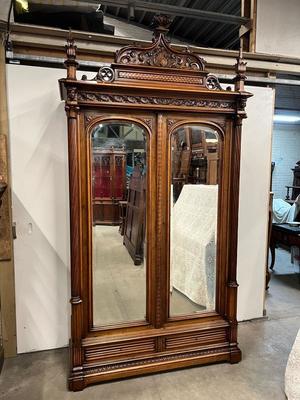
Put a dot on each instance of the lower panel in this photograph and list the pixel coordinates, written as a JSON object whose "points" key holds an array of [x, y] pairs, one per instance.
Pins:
{"points": [[110, 358], [155, 364]]}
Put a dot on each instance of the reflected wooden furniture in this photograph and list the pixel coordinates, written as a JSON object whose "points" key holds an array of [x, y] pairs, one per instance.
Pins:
{"points": [[122, 209], [194, 159], [159, 89], [295, 186], [212, 168], [283, 234], [134, 230], [109, 184], [268, 275]]}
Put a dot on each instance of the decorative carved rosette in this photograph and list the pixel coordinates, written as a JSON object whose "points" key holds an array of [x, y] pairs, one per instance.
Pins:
{"points": [[212, 82], [106, 74]]}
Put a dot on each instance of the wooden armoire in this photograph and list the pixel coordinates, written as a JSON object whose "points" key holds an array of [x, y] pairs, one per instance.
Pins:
{"points": [[127, 319]]}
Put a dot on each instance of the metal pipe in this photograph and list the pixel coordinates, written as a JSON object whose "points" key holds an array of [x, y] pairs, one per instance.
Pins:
{"points": [[226, 78]]}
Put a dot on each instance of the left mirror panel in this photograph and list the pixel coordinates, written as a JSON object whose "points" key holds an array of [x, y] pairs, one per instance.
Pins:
{"points": [[118, 194]]}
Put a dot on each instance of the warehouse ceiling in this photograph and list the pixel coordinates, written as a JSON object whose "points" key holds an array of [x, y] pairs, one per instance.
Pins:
{"points": [[205, 23]]}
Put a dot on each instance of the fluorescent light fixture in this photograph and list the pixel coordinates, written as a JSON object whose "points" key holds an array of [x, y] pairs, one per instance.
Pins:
{"points": [[286, 118]]}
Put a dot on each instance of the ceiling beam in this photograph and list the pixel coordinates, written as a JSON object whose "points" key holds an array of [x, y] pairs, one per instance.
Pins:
{"points": [[209, 32], [175, 11]]}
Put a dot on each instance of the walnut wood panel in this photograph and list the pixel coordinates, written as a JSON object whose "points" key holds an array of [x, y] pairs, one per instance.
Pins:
{"points": [[159, 89]]}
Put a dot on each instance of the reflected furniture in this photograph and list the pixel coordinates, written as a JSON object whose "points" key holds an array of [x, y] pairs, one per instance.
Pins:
{"points": [[283, 234], [134, 230], [109, 184], [270, 217], [296, 184], [157, 90], [122, 210]]}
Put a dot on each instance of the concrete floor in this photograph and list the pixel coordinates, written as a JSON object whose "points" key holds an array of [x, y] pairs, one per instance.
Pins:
{"points": [[265, 344]]}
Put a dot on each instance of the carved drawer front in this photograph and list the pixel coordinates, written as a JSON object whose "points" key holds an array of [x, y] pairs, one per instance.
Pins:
{"points": [[196, 339], [120, 349]]}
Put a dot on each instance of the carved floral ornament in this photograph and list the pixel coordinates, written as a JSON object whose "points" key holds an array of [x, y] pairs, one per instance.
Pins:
{"points": [[92, 97], [160, 54]]}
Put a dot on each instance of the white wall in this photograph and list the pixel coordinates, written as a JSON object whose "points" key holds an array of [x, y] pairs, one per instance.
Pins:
{"points": [[254, 202], [285, 153], [40, 207], [278, 28], [40, 198]]}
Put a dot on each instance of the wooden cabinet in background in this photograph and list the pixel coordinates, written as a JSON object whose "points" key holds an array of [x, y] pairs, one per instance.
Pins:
{"points": [[109, 185]]}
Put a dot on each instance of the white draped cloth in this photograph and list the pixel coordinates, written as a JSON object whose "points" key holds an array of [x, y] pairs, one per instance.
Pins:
{"points": [[284, 212], [292, 372], [193, 243]]}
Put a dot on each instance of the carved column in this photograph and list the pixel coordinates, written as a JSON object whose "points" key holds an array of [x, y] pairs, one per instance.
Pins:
{"points": [[75, 241], [232, 285]]}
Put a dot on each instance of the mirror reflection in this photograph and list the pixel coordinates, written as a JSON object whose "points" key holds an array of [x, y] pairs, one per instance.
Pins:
{"points": [[118, 168], [195, 154]]}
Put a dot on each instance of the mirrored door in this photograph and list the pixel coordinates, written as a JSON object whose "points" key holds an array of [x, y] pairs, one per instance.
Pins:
{"points": [[195, 165], [119, 191]]}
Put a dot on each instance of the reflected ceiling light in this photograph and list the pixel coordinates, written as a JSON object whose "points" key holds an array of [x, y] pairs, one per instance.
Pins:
{"points": [[286, 118], [211, 140]]}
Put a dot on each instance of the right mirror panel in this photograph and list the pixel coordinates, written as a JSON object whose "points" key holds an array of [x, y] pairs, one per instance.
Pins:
{"points": [[195, 158]]}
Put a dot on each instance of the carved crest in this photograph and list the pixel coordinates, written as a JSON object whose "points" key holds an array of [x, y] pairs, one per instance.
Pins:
{"points": [[160, 54]]}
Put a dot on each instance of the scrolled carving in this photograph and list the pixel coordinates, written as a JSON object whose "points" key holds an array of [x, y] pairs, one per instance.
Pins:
{"points": [[89, 117], [212, 82], [170, 123], [160, 54], [72, 111], [242, 103], [72, 94], [148, 121], [167, 101]]}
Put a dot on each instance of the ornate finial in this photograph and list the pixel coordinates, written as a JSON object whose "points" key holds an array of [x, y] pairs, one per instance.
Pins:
{"points": [[240, 69], [160, 25], [71, 62]]}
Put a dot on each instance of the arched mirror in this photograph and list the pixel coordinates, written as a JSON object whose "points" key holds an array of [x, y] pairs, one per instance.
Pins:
{"points": [[195, 157], [118, 195]]}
